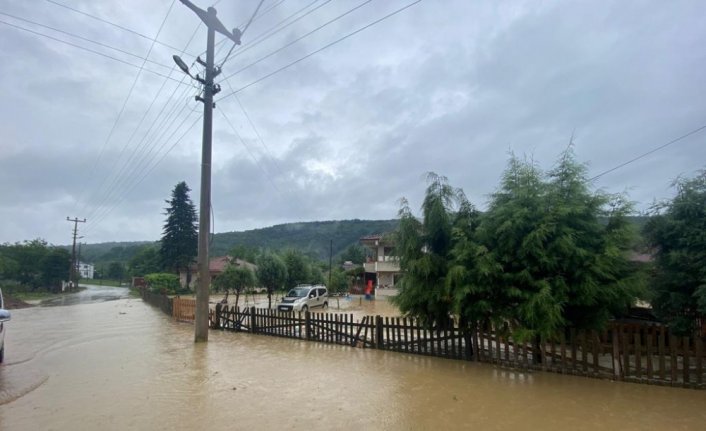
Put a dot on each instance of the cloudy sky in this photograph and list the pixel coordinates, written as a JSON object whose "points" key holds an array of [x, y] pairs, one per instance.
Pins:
{"points": [[443, 86]]}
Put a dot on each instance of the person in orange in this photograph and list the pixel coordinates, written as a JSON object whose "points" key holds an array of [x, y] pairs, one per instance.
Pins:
{"points": [[369, 290]]}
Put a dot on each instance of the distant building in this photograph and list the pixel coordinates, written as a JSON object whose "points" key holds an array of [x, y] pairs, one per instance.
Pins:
{"points": [[382, 266], [85, 270], [216, 266]]}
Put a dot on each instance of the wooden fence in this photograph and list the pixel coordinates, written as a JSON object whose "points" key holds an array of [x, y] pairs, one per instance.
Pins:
{"points": [[632, 352], [183, 309]]}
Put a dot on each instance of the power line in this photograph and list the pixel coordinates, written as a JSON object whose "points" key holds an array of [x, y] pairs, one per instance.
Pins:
{"points": [[297, 39], [277, 28], [103, 20], [87, 49], [686, 135], [242, 32], [319, 50], [84, 39], [143, 142], [252, 155], [127, 98], [146, 174]]}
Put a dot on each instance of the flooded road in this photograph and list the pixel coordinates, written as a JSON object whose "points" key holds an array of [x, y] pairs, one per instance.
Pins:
{"points": [[120, 364]]}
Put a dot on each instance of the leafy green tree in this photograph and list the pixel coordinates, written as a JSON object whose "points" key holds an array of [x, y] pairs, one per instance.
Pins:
{"points": [[164, 283], [298, 269], [677, 233], [9, 268], [272, 274], [354, 253], [243, 252], [553, 260], [180, 235], [424, 247], [235, 278], [55, 267], [146, 261], [28, 256], [339, 281], [116, 271]]}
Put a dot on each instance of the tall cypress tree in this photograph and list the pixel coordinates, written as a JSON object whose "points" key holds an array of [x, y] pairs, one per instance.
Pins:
{"points": [[180, 233]]}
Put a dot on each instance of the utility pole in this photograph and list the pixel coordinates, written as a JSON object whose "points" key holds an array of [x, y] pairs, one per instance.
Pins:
{"points": [[330, 266], [209, 90], [72, 269]]}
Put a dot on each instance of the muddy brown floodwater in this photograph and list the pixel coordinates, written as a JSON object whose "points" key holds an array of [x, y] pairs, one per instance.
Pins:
{"points": [[107, 362]]}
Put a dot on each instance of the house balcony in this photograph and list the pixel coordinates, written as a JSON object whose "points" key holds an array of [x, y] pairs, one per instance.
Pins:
{"points": [[382, 266]]}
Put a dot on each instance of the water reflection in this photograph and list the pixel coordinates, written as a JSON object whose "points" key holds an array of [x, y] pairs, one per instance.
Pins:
{"points": [[124, 365]]}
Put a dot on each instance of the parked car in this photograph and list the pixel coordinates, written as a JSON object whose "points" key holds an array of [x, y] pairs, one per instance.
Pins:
{"points": [[4, 317], [304, 297]]}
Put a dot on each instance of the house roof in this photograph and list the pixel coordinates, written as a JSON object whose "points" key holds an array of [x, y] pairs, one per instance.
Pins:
{"points": [[216, 265]]}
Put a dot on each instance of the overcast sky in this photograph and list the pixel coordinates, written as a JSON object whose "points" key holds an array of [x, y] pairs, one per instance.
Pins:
{"points": [[443, 86]]}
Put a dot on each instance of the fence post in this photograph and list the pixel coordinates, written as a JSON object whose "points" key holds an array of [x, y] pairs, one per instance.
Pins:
{"points": [[253, 324], [378, 333], [468, 342], [217, 318], [617, 369], [307, 324]]}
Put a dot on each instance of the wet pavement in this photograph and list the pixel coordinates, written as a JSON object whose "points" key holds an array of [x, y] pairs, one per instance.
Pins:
{"points": [[102, 360]]}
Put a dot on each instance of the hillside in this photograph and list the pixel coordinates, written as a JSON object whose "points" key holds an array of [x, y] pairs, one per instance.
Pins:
{"points": [[312, 238]]}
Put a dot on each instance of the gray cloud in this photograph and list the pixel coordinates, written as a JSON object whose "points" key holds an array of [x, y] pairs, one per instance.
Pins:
{"points": [[448, 87]]}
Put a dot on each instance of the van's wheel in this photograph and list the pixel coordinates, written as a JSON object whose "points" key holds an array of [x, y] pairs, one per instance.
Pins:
{"points": [[325, 305], [2, 354], [305, 309]]}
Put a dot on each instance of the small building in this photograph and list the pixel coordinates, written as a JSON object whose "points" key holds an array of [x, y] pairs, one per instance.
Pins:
{"points": [[85, 270], [381, 266], [216, 267]]}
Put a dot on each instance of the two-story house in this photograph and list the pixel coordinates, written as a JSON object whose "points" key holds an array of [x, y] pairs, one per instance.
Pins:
{"points": [[381, 266]]}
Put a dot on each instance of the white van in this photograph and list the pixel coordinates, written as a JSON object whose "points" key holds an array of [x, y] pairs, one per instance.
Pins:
{"points": [[304, 297]]}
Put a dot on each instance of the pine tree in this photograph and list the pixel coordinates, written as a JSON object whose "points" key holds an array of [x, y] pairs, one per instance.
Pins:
{"points": [[180, 234], [678, 234]]}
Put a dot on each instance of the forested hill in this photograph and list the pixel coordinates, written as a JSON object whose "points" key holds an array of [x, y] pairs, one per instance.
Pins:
{"points": [[313, 238]]}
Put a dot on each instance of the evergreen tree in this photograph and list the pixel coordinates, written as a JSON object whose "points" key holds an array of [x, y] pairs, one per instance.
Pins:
{"points": [[556, 263], [180, 235], [677, 232], [424, 248]]}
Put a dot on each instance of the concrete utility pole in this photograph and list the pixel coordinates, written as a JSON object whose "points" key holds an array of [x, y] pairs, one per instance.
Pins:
{"points": [[72, 269], [209, 90]]}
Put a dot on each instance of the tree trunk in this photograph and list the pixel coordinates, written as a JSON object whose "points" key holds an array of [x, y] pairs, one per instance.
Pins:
{"points": [[237, 298], [269, 298]]}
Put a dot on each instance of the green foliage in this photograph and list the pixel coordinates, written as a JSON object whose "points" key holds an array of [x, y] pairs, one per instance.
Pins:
{"points": [[312, 239], [116, 271], [339, 281], [354, 253], [147, 260], [272, 273], [244, 252], [553, 260], [298, 269], [34, 264], [234, 278], [548, 253], [164, 283], [677, 233], [55, 267], [180, 235], [424, 247]]}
